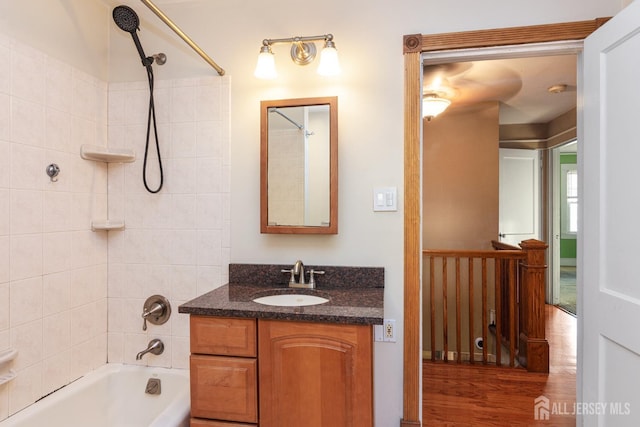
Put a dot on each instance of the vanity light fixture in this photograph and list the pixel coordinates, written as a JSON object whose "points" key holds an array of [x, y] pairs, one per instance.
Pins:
{"points": [[433, 104], [303, 52]]}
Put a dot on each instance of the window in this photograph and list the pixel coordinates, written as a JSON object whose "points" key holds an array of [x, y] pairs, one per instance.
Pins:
{"points": [[569, 201], [572, 201]]}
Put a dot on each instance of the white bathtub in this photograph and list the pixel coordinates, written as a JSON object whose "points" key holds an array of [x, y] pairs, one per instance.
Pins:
{"points": [[112, 396]]}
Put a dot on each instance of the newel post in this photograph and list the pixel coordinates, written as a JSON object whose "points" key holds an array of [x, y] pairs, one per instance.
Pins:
{"points": [[533, 346]]}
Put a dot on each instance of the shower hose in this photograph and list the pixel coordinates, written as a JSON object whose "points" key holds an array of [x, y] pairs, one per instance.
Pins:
{"points": [[151, 118]]}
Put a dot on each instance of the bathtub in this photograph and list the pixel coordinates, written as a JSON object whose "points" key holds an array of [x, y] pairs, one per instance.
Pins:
{"points": [[112, 396]]}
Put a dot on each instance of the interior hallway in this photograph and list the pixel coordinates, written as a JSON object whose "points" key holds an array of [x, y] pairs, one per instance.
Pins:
{"points": [[477, 395]]}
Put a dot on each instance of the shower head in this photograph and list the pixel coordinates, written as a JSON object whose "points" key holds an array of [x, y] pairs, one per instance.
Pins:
{"points": [[127, 20]]}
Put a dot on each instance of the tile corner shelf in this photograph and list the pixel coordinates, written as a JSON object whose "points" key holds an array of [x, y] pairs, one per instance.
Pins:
{"points": [[107, 225], [7, 356], [5, 378], [107, 155]]}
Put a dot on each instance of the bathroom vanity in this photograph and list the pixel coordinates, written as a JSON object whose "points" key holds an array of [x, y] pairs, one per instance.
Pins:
{"points": [[268, 366]]}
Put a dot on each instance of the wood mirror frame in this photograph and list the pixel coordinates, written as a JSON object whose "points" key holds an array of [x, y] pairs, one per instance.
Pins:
{"points": [[414, 46], [265, 226]]}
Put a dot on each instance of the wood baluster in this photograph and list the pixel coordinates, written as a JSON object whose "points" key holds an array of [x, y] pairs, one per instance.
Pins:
{"points": [[432, 294], [458, 314], [485, 324], [445, 318], [512, 311], [471, 338], [498, 306]]}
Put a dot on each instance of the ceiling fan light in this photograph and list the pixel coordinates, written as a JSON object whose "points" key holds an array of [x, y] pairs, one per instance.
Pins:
{"points": [[433, 105]]}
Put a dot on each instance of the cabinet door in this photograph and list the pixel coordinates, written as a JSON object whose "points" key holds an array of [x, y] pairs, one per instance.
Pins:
{"points": [[315, 375], [224, 388]]}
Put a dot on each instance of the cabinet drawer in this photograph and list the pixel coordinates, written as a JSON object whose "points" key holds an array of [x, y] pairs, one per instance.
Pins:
{"points": [[224, 388], [223, 336], [196, 422]]}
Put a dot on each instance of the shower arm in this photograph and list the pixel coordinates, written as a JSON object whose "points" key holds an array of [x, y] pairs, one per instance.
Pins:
{"points": [[182, 35]]}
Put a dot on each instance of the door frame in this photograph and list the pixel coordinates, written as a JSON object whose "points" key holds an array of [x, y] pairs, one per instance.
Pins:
{"points": [[414, 47], [554, 234]]}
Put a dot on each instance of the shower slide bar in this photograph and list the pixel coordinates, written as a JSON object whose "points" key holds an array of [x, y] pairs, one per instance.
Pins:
{"points": [[182, 35]]}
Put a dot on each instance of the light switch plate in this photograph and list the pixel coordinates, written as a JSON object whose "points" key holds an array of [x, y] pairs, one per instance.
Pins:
{"points": [[385, 199]]}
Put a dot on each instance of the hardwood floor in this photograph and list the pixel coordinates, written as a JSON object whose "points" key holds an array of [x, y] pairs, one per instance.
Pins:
{"points": [[478, 395]]}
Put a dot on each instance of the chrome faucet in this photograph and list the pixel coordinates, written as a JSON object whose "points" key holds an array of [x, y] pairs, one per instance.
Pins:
{"points": [[298, 270], [155, 347]]}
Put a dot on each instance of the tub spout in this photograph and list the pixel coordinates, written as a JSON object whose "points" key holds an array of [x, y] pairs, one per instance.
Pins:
{"points": [[155, 347]]}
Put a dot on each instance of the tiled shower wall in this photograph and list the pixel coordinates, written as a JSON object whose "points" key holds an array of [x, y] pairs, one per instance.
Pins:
{"points": [[53, 268], [63, 286], [286, 177], [176, 242]]}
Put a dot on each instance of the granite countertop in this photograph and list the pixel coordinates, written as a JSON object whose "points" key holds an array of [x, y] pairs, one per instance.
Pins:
{"points": [[360, 303]]}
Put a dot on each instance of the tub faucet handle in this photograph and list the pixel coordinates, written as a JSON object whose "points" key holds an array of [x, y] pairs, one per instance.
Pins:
{"points": [[156, 309]]}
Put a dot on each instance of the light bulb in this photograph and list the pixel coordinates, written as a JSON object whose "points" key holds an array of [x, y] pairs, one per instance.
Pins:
{"points": [[266, 66], [329, 64]]}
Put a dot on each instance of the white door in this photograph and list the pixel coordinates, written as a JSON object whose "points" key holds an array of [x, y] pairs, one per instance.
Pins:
{"points": [[609, 364], [519, 195]]}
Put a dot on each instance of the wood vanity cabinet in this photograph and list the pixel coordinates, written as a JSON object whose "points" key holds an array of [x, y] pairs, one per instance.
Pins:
{"points": [[224, 387], [315, 374], [195, 422], [309, 374]]}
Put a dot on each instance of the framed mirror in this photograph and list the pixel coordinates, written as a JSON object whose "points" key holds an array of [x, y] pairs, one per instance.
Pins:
{"points": [[299, 166]]}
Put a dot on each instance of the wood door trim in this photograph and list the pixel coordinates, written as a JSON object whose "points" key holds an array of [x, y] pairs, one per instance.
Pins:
{"points": [[413, 46], [504, 36]]}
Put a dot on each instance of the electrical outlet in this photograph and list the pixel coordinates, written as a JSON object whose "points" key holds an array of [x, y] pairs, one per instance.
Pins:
{"points": [[389, 330]]}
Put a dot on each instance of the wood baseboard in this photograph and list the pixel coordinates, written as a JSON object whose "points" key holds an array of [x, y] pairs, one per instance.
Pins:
{"points": [[405, 423]]}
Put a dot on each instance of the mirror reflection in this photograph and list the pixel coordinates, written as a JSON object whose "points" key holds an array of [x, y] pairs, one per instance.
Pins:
{"points": [[299, 161]]}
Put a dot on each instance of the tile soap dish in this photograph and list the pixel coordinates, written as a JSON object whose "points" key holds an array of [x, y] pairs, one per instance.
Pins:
{"points": [[107, 225], [6, 357], [107, 155]]}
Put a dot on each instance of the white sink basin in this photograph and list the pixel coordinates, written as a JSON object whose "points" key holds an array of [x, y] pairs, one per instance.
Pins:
{"points": [[291, 300]]}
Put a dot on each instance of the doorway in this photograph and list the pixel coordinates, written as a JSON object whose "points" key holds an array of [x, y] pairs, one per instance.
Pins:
{"points": [[564, 222], [505, 116], [414, 47]]}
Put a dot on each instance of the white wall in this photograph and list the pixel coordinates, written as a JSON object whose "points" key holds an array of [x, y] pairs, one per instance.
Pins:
{"points": [[368, 36], [74, 31]]}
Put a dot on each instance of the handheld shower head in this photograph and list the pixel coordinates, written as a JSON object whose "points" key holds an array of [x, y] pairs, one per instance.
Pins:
{"points": [[127, 20]]}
